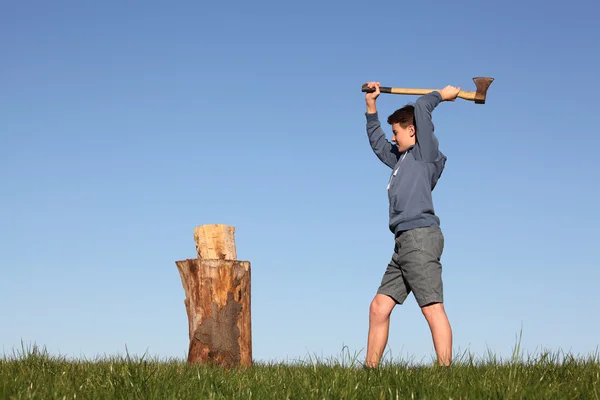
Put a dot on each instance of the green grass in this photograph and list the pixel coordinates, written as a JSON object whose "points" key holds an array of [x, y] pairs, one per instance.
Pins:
{"points": [[34, 374]]}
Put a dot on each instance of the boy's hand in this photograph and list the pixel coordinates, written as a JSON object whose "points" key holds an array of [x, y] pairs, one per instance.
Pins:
{"points": [[449, 93], [370, 98]]}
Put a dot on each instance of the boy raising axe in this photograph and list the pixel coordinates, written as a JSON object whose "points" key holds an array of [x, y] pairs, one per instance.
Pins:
{"points": [[416, 165]]}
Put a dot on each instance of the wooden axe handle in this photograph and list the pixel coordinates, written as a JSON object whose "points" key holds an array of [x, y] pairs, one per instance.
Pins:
{"points": [[385, 89]]}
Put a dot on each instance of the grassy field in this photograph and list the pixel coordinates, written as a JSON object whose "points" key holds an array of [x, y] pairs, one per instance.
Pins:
{"points": [[34, 374]]}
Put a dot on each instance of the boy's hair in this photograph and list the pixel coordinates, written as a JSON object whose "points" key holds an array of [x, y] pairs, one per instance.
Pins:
{"points": [[404, 116]]}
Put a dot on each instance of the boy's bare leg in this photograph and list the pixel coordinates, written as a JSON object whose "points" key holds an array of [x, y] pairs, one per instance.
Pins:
{"points": [[379, 325], [441, 332]]}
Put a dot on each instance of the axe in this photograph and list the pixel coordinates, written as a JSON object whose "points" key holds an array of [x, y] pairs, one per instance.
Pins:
{"points": [[478, 96]]}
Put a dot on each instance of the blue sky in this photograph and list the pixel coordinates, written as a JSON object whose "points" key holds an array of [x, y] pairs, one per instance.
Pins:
{"points": [[124, 126]]}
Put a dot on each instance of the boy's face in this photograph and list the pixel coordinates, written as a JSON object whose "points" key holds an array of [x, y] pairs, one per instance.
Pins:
{"points": [[403, 137]]}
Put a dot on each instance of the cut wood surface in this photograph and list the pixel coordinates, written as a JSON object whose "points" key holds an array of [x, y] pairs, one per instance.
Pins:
{"points": [[218, 308], [215, 242]]}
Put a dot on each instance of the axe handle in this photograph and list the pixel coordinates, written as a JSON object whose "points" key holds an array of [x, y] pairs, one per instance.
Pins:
{"points": [[385, 89]]}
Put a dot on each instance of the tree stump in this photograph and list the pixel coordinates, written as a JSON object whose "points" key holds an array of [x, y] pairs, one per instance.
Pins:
{"points": [[217, 291]]}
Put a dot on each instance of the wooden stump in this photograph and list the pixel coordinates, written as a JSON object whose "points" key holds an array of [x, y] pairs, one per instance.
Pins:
{"points": [[217, 291]]}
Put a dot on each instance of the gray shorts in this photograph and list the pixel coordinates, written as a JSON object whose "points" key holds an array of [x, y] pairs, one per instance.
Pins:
{"points": [[415, 267]]}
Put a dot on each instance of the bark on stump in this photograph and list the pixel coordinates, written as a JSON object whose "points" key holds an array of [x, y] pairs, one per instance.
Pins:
{"points": [[217, 291]]}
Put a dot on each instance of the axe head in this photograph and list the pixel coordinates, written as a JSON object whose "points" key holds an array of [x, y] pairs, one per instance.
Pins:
{"points": [[482, 84]]}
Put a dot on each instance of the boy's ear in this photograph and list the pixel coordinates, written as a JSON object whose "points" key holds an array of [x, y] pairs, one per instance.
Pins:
{"points": [[412, 130]]}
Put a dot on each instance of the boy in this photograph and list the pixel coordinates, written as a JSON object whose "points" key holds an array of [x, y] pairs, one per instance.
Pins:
{"points": [[415, 267]]}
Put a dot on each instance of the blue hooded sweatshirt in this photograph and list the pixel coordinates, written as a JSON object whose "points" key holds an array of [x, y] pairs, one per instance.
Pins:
{"points": [[415, 172]]}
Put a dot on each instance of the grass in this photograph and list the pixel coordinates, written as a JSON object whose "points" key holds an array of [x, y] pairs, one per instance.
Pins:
{"points": [[34, 374]]}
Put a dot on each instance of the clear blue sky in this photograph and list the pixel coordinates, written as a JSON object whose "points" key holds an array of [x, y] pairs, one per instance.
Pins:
{"points": [[126, 125]]}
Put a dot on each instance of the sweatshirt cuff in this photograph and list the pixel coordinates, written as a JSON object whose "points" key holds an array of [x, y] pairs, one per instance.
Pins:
{"points": [[372, 117], [437, 94]]}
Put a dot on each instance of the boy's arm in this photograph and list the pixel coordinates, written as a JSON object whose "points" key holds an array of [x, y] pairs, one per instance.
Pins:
{"points": [[426, 139], [386, 151]]}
